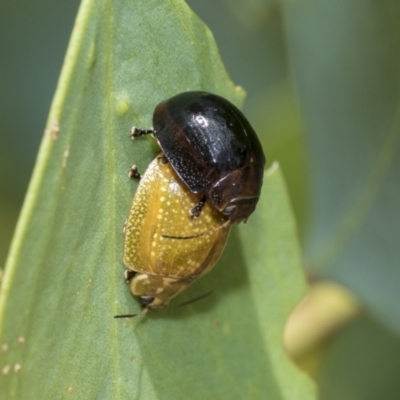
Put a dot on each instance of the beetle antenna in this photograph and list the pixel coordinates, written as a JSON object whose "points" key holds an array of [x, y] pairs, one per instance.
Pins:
{"points": [[203, 296], [143, 312], [186, 303]]}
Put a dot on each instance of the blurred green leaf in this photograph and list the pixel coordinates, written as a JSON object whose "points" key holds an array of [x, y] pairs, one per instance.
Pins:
{"points": [[64, 277], [361, 363], [33, 46], [346, 63], [278, 121]]}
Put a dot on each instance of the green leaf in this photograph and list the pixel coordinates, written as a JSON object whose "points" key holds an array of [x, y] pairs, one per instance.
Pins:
{"points": [[64, 277], [277, 119], [372, 370], [346, 61]]}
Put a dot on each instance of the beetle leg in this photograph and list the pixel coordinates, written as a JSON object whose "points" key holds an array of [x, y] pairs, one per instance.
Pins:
{"points": [[195, 211], [134, 173], [136, 132], [128, 275]]}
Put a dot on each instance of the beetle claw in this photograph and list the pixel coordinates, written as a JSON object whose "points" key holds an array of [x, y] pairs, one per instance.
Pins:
{"points": [[134, 173], [195, 211]]}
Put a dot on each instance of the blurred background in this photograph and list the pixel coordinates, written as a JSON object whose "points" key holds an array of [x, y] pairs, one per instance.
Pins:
{"points": [[323, 88]]}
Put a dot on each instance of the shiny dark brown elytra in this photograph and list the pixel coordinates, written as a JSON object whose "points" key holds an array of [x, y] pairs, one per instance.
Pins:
{"points": [[213, 149]]}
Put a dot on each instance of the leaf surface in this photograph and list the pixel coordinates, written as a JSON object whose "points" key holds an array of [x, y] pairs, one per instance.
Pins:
{"points": [[64, 277]]}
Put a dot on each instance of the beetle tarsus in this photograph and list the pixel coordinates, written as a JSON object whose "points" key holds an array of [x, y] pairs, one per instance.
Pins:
{"points": [[134, 173], [136, 132], [195, 211]]}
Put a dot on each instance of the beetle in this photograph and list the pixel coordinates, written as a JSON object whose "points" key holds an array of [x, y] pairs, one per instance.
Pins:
{"points": [[213, 149], [165, 249], [211, 164]]}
